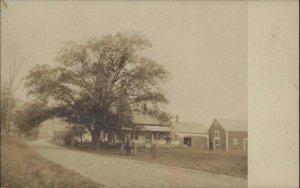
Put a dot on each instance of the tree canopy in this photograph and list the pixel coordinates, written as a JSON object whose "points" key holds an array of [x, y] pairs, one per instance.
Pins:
{"points": [[101, 82], [32, 115]]}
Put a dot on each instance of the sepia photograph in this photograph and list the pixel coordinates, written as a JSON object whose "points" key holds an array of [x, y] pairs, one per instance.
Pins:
{"points": [[135, 94]]}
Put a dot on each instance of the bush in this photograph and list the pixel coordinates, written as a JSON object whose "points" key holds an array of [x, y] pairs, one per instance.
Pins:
{"points": [[69, 137], [32, 134]]}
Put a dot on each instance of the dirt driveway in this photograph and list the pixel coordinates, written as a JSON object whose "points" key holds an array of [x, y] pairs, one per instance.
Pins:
{"points": [[117, 172]]}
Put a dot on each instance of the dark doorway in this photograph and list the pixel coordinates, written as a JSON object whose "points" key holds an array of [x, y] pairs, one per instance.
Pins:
{"points": [[187, 141]]}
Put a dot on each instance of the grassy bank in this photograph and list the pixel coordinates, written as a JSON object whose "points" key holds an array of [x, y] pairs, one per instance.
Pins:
{"points": [[23, 167]]}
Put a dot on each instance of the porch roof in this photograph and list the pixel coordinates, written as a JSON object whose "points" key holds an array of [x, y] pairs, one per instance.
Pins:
{"points": [[151, 128]]}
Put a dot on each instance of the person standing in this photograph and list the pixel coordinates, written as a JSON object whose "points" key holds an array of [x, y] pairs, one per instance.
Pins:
{"points": [[154, 150], [122, 148], [128, 147], [134, 146]]}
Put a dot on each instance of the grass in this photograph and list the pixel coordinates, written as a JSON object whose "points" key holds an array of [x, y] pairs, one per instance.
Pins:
{"points": [[21, 166], [219, 162]]}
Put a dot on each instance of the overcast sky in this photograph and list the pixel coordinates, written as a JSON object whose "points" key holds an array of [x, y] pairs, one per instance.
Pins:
{"points": [[203, 44]]}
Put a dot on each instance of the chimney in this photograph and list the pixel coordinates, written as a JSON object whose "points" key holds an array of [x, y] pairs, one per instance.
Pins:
{"points": [[177, 119]]}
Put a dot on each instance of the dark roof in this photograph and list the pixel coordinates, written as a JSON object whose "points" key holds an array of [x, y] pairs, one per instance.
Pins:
{"points": [[139, 118], [148, 123], [233, 124]]}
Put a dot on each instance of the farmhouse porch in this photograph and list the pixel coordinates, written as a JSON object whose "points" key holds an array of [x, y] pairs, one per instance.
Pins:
{"points": [[143, 136]]}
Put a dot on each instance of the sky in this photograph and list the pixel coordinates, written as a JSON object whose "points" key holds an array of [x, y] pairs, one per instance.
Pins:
{"points": [[203, 45]]}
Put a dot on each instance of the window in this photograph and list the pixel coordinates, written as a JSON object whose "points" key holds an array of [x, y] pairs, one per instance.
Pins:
{"points": [[119, 137], [216, 134], [160, 136], [131, 136], [148, 138], [217, 144], [136, 136], [235, 141]]}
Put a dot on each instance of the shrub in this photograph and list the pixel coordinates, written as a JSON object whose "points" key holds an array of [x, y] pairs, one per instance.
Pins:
{"points": [[69, 137]]}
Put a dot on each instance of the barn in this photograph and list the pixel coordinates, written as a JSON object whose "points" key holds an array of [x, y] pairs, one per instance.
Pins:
{"points": [[228, 134]]}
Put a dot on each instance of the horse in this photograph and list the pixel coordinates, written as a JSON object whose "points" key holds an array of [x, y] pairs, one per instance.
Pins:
{"points": [[128, 148]]}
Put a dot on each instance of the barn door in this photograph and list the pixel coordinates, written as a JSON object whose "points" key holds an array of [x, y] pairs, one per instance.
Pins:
{"points": [[187, 141]]}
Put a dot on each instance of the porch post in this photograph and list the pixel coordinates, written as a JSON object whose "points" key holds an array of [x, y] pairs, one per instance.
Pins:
{"points": [[152, 137], [227, 147]]}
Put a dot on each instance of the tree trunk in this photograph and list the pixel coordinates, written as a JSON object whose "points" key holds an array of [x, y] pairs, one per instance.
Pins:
{"points": [[81, 139], [7, 122], [96, 139]]}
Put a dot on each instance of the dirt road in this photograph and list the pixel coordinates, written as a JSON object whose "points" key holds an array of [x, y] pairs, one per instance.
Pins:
{"points": [[116, 172]]}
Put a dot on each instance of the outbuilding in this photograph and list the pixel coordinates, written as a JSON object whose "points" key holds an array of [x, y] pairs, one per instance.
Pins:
{"points": [[193, 135], [229, 135]]}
